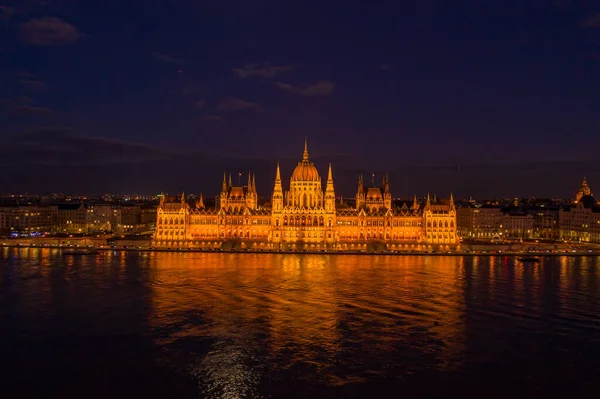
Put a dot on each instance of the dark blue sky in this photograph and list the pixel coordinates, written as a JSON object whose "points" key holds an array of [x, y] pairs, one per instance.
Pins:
{"points": [[476, 97]]}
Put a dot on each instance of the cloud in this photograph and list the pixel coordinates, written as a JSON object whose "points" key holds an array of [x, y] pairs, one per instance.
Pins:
{"points": [[384, 67], [16, 101], [32, 85], [213, 118], [64, 146], [7, 12], [29, 110], [592, 21], [168, 59], [321, 88], [191, 89], [49, 31], [265, 71], [235, 104]]}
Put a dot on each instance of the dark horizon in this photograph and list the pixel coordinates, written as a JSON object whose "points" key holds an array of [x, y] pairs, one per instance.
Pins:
{"points": [[482, 100]]}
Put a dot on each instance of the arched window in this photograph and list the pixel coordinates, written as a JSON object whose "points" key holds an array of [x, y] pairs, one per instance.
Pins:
{"points": [[176, 221], [434, 224], [452, 223], [277, 222], [429, 224], [446, 224]]}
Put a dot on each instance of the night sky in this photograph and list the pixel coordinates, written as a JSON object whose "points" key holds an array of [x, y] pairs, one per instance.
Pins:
{"points": [[481, 98]]}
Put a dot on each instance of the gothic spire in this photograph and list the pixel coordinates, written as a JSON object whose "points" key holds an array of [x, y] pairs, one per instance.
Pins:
{"points": [[224, 186], [278, 174], [329, 174], [305, 155], [361, 187]]}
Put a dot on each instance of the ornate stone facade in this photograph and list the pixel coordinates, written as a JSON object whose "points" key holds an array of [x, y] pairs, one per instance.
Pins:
{"points": [[306, 218]]}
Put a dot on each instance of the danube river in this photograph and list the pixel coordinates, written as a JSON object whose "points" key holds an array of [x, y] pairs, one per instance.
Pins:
{"points": [[217, 325]]}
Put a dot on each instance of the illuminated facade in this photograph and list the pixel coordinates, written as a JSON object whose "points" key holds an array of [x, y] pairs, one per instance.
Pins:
{"points": [[581, 221], [305, 217]]}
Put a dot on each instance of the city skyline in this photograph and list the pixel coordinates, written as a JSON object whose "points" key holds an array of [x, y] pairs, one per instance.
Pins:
{"points": [[494, 100]]}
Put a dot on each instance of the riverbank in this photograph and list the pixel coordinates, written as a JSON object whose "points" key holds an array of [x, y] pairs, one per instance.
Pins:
{"points": [[552, 253]]}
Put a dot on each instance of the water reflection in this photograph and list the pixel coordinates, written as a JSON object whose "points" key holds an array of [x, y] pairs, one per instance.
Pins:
{"points": [[330, 318], [250, 325]]}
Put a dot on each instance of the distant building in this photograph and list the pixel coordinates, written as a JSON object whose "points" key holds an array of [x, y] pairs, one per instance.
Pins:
{"points": [[305, 217], [72, 218], [581, 221], [483, 221], [517, 225], [27, 219], [545, 222]]}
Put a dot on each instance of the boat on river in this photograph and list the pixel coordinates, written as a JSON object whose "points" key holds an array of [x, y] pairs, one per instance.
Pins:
{"points": [[530, 259]]}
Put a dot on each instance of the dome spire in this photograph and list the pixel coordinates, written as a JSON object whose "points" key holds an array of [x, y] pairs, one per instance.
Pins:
{"points": [[305, 155], [278, 174]]}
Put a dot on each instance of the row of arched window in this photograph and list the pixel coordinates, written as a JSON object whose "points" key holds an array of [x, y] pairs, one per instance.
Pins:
{"points": [[444, 224]]}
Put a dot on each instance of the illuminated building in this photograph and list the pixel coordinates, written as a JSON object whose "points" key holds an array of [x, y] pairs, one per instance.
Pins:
{"points": [[581, 221], [305, 217]]}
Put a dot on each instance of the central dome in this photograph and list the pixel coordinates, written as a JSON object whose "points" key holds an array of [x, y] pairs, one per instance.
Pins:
{"points": [[306, 170]]}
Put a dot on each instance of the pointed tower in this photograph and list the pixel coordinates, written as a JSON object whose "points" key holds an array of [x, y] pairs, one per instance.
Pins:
{"points": [[276, 210], [200, 202], [224, 192], [224, 185], [230, 185], [360, 193], [277, 198], [329, 193], [251, 198], [305, 154], [451, 204], [182, 198], [387, 195], [415, 205]]}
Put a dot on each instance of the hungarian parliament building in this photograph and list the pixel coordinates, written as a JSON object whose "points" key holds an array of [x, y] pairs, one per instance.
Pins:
{"points": [[306, 217]]}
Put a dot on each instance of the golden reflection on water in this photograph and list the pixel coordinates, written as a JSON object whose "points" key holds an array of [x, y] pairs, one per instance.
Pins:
{"points": [[306, 311], [233, 321]]}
